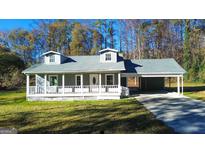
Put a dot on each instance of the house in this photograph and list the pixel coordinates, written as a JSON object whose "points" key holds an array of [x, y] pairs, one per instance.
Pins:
{"points": [[102, 76]]}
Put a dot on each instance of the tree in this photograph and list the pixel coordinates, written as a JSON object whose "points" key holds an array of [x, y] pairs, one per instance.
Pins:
{"points": [[4, 45], [57, 36], [187, 52], [22, 42], [97, 41], [11, 67], [81, 43], [111, 34]]}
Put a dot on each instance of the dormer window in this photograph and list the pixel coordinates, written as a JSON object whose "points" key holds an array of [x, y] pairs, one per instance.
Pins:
{"points": [[108, 57], [52, 59]]}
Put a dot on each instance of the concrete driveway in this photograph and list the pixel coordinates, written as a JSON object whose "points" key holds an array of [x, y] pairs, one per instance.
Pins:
{"points": [[183, 114]]}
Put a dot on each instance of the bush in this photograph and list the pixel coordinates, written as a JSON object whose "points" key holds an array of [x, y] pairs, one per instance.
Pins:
{"points": [[11, 67]]}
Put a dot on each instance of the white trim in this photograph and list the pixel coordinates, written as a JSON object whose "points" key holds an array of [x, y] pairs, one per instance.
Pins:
{"points": [[75, 94], [52, 62], [106, 78], [36, 82], [48, 52], [81, 82], [27, 84], [182, 85], [178, 84], [76, 79], [109, 60], [100, 83], [76, 71], [50, 79], [119, 82], [63, 83], [160, 76], [108, 49], [151, 75], [45, 83]]}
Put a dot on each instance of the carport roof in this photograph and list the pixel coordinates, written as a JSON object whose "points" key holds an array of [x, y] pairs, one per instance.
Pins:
{"points": [[154, 66]]}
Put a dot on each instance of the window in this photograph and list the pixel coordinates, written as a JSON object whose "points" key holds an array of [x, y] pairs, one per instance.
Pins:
{"points": [[52, 59], [53, 80], [108, 57], [109, 79], [78, 80]]}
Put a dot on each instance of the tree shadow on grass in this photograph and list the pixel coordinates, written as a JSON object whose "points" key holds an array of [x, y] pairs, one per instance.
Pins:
{"points": [[16, 100], [119, 118]]}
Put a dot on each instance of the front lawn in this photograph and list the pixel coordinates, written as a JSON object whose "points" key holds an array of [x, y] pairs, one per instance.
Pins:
{"points": [[194, 90], [113, 116]]}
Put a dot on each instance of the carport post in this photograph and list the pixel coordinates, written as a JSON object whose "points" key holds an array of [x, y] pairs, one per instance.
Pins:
{"points": [[119, 83], [27, 84], [178, 84], [182, 85]]}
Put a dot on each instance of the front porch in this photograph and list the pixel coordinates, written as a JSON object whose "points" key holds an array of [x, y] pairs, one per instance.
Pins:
{"points": [[71, 86]]}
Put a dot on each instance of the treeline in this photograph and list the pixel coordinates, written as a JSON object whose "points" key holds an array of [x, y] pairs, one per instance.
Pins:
{"points": [[179, 39]]}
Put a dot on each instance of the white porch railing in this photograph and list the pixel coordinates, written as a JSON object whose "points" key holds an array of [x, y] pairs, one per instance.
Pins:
{"points": [[77, 89]]}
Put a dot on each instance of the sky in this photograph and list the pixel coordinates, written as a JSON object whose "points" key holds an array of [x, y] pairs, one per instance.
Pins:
{"points": [[29, 24], [9, 24]]}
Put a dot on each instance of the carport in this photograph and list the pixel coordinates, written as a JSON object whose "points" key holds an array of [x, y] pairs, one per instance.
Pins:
{"points": [[150, 74]]}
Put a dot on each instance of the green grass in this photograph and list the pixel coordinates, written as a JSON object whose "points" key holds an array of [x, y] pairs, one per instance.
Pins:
{"points": [[194, 90], [113, 116]]}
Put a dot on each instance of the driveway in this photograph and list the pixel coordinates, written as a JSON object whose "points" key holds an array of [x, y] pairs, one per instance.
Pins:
{"points": [[183, 114]]}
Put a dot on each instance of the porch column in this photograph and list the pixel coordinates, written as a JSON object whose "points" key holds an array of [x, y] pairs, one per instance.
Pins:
{"points": [[36, 81], [178, 84], [182, 85], [81, 82], [63, 83], [119, 83], [100, 84], [45, 83], [27, 84]]}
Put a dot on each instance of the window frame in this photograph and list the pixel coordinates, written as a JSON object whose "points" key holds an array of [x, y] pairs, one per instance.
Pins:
{"points": [[113, 76], [76, 77], [50, 80], [108, 60], [54, 58]]}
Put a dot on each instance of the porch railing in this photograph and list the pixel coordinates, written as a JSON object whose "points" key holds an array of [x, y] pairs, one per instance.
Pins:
{"points": [[76, 89]]}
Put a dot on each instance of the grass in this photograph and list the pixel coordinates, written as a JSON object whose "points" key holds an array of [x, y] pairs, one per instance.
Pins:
{"points": [[194, 90], [113, 116]]}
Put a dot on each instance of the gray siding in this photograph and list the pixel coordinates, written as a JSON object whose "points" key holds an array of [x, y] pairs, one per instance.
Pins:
{"points": [[70, 79]]}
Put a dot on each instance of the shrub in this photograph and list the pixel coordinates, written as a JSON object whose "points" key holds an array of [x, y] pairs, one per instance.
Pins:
{"points": [[11, 67]]}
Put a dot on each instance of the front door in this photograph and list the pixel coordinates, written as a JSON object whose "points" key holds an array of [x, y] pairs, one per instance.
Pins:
{"points": [[94, 83], [94, 79]]}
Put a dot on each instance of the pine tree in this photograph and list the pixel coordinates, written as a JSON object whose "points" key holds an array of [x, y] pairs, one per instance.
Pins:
{"points": [[96, 42], [187, 50]]}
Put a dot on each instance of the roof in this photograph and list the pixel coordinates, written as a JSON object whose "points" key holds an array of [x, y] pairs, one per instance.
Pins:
{"points": [[108, 49], [46, 53], [153, 66], [76, 64]]}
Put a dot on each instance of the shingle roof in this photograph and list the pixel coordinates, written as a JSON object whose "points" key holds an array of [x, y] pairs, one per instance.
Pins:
{"points": [[76, 64], [153, 66]]}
